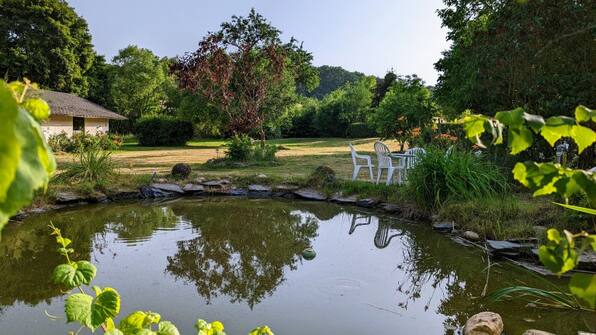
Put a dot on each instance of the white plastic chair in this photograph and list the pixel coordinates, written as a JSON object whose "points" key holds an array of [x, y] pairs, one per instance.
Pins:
{"points": [[384, 162], [366, 158], [409, 162]]}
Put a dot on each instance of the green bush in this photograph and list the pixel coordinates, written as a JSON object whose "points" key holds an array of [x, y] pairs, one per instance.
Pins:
{"points": [[360, 130], [63, 143], [163, 131], [242, 148], [239, 148], [438, 177], [265, 153]]}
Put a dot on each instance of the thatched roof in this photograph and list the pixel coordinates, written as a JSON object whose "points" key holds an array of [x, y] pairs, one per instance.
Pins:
{"points": [[72, 105]]}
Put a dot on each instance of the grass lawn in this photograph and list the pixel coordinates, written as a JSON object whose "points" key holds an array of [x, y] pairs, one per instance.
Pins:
{"points": [[298, 157]]}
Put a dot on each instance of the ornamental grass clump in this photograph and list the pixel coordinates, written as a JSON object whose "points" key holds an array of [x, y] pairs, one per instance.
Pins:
{"points": [[459, 175], [92, 164]]}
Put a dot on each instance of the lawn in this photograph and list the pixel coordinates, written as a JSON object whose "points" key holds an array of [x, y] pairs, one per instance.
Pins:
{"points": [[297, 157]]}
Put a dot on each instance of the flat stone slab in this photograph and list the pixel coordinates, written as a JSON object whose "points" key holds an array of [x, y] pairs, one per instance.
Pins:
{"points": [[310, 194], [444, 227], [285, 188], [352, 199], [215, 183], [258, 188], [368, 202], [67, 197], [504, 245], [123, 194], [237, 192], [390, 208], [193, 188], [168, 187], [148, 192]]}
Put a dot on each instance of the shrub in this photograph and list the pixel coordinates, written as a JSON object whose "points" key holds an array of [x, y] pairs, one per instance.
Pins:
{"points": [[181, 171], [322, 176], [64, 143], [439, 177], [239, 148], [163, 131], [242, 148], [360, 130], [265, 153]]}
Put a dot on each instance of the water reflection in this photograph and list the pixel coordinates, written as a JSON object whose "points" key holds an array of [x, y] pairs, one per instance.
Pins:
{"points": [[244, 264], [243, 251]]}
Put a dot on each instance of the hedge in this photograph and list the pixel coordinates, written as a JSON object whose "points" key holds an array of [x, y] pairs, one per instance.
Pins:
{"points": [[163, 131]]}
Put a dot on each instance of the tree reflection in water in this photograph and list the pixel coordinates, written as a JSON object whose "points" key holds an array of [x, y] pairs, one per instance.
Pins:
{"points": [[242, 251]]}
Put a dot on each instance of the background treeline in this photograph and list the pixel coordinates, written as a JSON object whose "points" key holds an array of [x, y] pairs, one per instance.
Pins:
{"points": [[537, 54]]}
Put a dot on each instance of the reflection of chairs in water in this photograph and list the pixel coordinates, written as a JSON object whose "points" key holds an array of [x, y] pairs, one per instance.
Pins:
{"points": [[382, 238], [359, 220]]}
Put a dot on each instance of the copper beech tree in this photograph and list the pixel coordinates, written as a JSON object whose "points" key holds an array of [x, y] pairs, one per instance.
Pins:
{"points": [[240, 67]]}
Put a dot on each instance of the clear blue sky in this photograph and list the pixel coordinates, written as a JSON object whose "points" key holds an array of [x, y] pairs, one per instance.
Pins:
{"points": [[370, 36]]}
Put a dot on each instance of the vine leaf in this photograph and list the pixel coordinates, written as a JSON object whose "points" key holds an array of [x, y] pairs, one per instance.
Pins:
{"points": [[74, 274], [167, 328], [558, 254], [584, 286], [137, 321], [92, 312], [263, 330], [583, 137], [114, 332], [38, 108], [584, 114], [10, 148]]}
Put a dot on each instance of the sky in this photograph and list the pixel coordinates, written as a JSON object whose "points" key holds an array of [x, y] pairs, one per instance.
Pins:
{"points": [[370, 36]]}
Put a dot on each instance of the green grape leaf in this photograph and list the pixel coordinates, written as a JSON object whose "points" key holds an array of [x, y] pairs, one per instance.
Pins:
{"points": [[114, 332], [584, 286], [536, 122], [592, 241], [74, 274], [92, 312], [34, 168], [559, 254], [10, 148], [583, 137], [474, 125], [263, 330], [584, 114], [556, 127], [520, 138], [520, 173], [511, 118], [205, 328], [137, 321], [78, 308], [167, 328], [38, 108]]}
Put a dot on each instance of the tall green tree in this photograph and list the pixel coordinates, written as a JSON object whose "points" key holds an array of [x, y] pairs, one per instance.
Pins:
{"points": [[47, 42], [139, 83], [243, 68], [538, 54], [344, 106], [407, 105]]}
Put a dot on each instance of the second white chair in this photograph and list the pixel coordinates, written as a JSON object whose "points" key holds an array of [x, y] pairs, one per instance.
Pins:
{"points": [[384, 162]]}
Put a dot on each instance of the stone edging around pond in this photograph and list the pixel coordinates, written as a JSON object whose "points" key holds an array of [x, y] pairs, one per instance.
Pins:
{"points": [[521, 252]]}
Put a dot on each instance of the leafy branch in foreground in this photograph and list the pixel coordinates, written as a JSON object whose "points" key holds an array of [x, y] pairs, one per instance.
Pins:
{"points": [[26, 161], [561, 252], [99, 311]]}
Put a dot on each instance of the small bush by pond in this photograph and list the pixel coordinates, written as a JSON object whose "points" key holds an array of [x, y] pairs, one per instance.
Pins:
{"points": [[62, 142], [456, 175]]}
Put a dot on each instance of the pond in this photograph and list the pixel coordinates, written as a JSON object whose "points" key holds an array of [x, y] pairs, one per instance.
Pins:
{"points": [[239, 261]]}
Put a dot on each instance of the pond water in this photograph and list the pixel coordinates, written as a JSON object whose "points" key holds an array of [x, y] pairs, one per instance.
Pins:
{"points": [[238, 260]]}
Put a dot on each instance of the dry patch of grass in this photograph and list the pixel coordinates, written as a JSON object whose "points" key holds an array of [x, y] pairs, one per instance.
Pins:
{"points": [[297, 157]]}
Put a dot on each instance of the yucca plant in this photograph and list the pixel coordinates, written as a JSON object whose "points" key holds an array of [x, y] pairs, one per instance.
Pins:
{"points": [[92, 164]]}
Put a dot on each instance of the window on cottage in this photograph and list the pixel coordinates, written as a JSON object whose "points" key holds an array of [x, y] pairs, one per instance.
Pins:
{"points": [[78, 123]]}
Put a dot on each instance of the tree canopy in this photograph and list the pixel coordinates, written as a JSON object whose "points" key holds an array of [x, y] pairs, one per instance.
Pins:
{"points": [[139, 83], [243, 68], [407, 105], [47, 42], [537, 54]]}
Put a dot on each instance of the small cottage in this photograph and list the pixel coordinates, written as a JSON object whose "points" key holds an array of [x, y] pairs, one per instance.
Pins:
{"points": [[71, 114]]}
